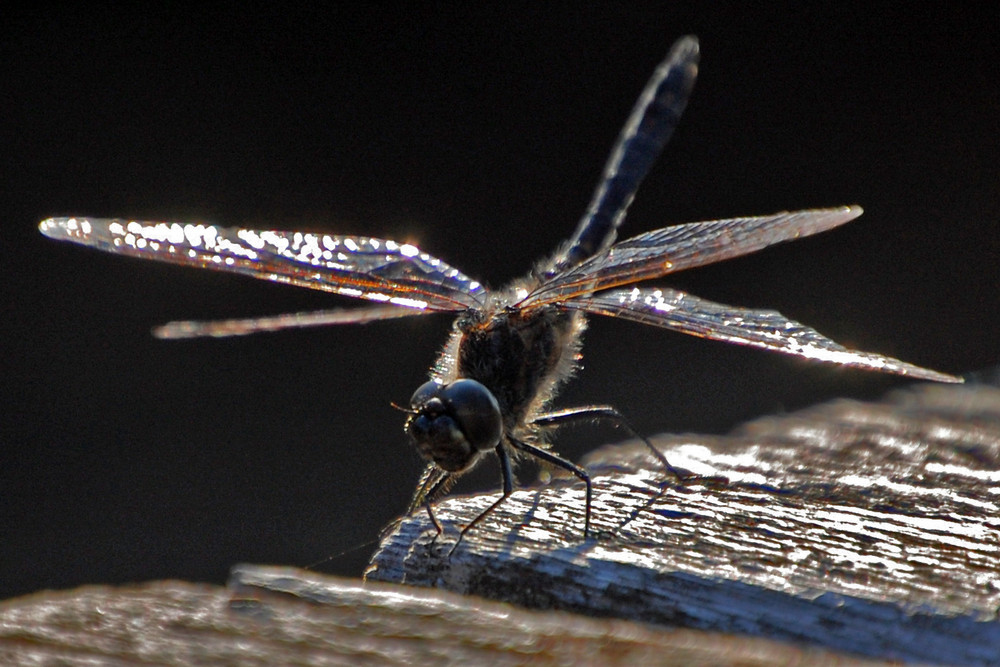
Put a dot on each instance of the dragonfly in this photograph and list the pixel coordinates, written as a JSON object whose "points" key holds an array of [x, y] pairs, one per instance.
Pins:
{"points": [[492, 387]]}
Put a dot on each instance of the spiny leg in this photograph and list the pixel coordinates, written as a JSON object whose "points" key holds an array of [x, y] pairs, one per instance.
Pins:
{"points": [[507, 473], [608, 413], [559, 461], [433, 482]]}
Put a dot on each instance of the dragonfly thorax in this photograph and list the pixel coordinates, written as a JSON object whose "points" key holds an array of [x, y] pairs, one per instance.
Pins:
{"points": [[520, 356], [451, 424]]}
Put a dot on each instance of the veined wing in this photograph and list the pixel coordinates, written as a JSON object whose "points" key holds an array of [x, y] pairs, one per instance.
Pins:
{"points": [[768, 329], [671, 249], [251, 325], [385, 271], [646, 131]]}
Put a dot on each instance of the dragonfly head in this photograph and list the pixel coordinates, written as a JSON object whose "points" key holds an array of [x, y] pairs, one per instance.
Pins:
{"points": [[451, 424]]}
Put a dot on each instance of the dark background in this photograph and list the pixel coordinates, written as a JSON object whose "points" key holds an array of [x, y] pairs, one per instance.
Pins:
{"points": [[478, 135]]}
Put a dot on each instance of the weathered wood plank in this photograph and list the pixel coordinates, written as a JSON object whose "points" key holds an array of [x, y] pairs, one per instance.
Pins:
{"points": [[282, 616], [871, 528]]}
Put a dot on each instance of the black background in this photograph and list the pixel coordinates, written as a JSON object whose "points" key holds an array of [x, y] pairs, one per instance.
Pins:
{"points": [[477, 135]]}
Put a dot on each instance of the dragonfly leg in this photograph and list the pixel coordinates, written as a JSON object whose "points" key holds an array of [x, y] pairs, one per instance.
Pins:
{"points": [[433, 483], [605, 413], [556, 460], [507, 472]]}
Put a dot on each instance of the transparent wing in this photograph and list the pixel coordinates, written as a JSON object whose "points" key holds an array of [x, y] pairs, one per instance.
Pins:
{"points": [[646, 131], [766, 329], [357, 266], [671, 249], [252, 325]]}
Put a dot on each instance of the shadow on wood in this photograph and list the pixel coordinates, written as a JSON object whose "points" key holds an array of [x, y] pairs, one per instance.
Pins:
{"points": [[871, 528]]}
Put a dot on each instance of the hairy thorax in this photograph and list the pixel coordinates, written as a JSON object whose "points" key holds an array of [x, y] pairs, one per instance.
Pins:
{"points": [[520, 355]]}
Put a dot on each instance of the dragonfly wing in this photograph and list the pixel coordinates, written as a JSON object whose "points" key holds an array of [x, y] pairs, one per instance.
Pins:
{"points": [[646, 131], [252, 325], [357, 266], [671, 249], [768, 329]]}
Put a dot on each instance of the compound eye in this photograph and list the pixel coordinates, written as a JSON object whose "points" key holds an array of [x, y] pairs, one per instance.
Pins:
{"points": [[476, 411], [424, 393]]}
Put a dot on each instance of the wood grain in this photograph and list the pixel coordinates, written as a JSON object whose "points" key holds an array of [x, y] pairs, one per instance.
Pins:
{"points": [[871, 528], [284, 616]]}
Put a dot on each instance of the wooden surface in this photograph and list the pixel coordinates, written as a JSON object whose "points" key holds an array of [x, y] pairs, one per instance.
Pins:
{"points": [[283, 616], [867, 528]]}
